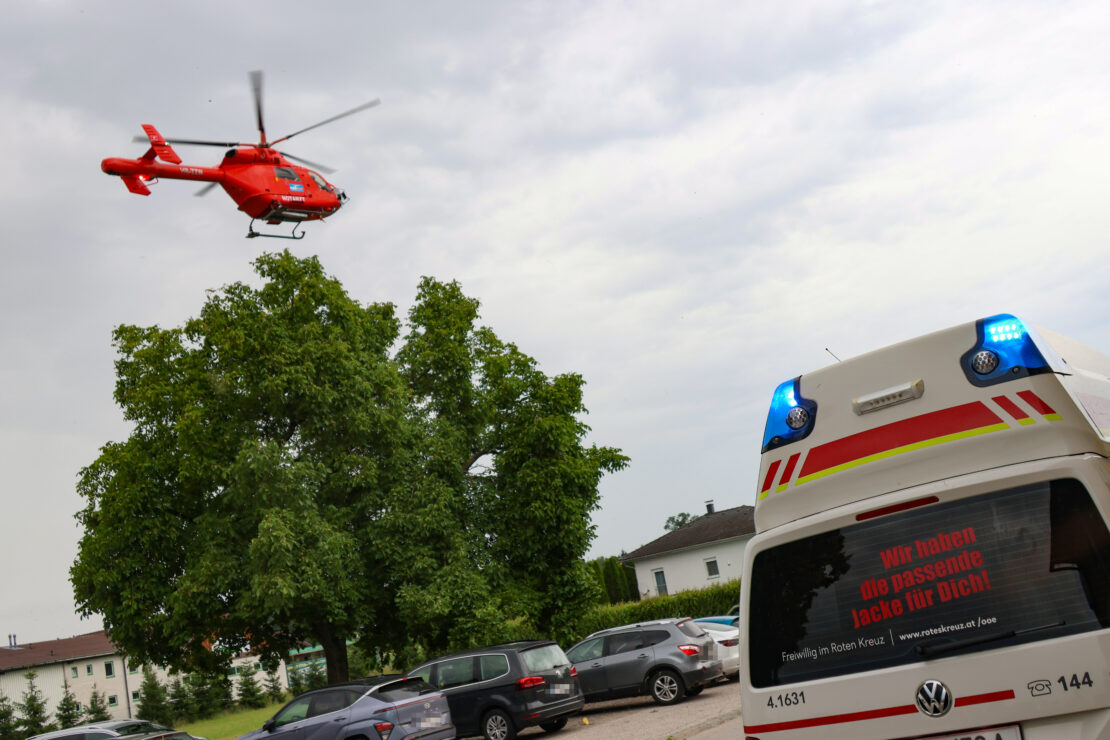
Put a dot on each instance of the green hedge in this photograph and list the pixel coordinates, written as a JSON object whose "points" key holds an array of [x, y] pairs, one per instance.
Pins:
{"points": [[705, 602]]}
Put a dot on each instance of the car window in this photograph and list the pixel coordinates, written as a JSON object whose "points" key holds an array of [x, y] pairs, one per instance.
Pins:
{"points": [[132, 728], [332, 701], [293, 711], [588, 650], [654, 637], [424, 672], [544, 658], [691, 628], [87, 736], [455, 672], [492, 666], [623, 642], [402, 689]]}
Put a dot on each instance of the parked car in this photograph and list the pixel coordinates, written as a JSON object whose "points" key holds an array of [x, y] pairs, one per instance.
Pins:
{"points": [[729, 620], [110, 729], [499, 690], [393, 706], [728, 645], [669, 659]]}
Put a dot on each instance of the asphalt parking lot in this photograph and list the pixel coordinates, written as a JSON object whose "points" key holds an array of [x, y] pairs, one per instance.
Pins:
{"points": [[640, 718]]}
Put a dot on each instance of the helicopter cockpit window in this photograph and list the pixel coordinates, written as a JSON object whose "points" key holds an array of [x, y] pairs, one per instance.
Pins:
{"points": [[321, 182], [285, 173]]}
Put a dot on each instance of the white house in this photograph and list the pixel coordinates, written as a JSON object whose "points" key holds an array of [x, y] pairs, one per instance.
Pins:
{"points": [[708, 550]]}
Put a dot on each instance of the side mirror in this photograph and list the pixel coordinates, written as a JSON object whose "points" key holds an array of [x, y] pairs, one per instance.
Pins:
{"points": [[268, 725]]}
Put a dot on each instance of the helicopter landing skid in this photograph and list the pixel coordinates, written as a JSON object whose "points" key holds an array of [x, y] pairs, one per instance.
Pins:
{"points": [[251, 233]]}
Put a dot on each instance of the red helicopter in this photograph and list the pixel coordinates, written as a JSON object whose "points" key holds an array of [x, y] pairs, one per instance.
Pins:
{"points": [[262, 180]]}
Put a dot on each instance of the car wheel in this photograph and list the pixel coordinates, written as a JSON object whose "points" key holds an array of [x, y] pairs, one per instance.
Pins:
{"points": [[667, 688], [554, 725], [498, 726]]}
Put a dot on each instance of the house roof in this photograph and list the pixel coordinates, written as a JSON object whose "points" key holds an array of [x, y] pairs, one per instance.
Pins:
{"points": [[726, 524], [32, 654]]}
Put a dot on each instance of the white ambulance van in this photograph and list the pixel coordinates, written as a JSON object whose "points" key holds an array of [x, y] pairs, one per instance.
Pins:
{"points": [[931, 557]]}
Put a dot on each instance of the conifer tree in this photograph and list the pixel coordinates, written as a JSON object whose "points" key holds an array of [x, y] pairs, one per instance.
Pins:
{"points": [[97, 711], [181, 703], [68, 712], [250, 695], [34, 719], [9, 727], [274, 690], [153, 704]]}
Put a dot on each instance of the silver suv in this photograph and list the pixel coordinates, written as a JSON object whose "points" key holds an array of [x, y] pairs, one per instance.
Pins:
{"points": [[669, 659]]}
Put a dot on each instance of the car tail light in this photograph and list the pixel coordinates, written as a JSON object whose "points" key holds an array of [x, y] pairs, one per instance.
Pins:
{"points": [[385, 729], [530, 682], [573, 672], [690, 649], [730, 642]]}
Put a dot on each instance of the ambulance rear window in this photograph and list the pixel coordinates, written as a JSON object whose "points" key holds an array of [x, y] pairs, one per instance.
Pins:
{"points": [[1005, 568]]}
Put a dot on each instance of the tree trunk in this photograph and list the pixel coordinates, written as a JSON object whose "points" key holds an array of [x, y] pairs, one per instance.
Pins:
{"points": [[335, 652]]}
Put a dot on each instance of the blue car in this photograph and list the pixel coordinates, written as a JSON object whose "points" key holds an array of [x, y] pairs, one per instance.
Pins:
{"points": [[393, 707], [732, 620]]}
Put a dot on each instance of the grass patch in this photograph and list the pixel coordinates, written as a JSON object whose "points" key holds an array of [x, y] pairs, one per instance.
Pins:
{"points": [[230, 724]]}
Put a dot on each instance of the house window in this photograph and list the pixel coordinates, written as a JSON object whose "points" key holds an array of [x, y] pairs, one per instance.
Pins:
{"points": [[113, 700], [134, 696], [132, 668], [711, 569], [88, 669], [73, 671], [109, 669], [660, 583]]}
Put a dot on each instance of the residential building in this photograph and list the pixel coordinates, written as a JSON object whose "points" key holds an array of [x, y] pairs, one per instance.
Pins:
{"points": [[88, 663], [705, 551]]}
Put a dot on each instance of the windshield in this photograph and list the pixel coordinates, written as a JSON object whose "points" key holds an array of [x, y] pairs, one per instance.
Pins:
{"points": [[1009, 567], [544, 658]]}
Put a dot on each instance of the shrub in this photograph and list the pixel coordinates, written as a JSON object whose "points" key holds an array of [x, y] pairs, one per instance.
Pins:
{"points": [[703, 602]]}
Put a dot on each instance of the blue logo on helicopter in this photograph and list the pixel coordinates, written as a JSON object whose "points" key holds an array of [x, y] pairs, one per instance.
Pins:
{"points": [[296, 187]]}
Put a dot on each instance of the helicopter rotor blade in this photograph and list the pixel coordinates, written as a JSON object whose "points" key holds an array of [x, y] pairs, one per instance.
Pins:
{"points": [[316, 165], [206, 189], [193, 142], [364, 106], [256, 88]]}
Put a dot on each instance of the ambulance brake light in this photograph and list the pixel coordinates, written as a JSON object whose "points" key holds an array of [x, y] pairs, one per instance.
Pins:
{"points": [[791, 416], [1004, 350]]}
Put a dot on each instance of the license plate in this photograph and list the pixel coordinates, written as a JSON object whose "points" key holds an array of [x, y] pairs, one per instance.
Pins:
{"points": [[1010, 732], [434, 721], [560, 688]]}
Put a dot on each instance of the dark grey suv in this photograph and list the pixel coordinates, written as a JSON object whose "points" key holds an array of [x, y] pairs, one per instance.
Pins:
{"points": [[499, 690], [669, 659]]}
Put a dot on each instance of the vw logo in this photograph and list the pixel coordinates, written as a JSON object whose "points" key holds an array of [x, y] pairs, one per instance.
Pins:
{"points": [[427, 705], [933, 698]]}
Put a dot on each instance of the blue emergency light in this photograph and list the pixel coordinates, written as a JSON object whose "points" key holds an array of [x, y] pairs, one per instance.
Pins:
{"points": [[1004, 350], [790, 417]]}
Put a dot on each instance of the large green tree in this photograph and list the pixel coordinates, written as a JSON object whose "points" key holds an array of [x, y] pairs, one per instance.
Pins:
{"points": [[300, 471], [265, 435]]}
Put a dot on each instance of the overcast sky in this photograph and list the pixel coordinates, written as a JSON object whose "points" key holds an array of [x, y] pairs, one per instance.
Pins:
{"points": [[687, 203]]}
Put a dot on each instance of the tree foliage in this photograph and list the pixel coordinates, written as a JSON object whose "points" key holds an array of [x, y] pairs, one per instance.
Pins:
{"points": [[68, 711], [676, 521], [154, 702], [33, 717], [306, 485], [249, 693], [9, 725], [97, 709], [617, 581]]}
